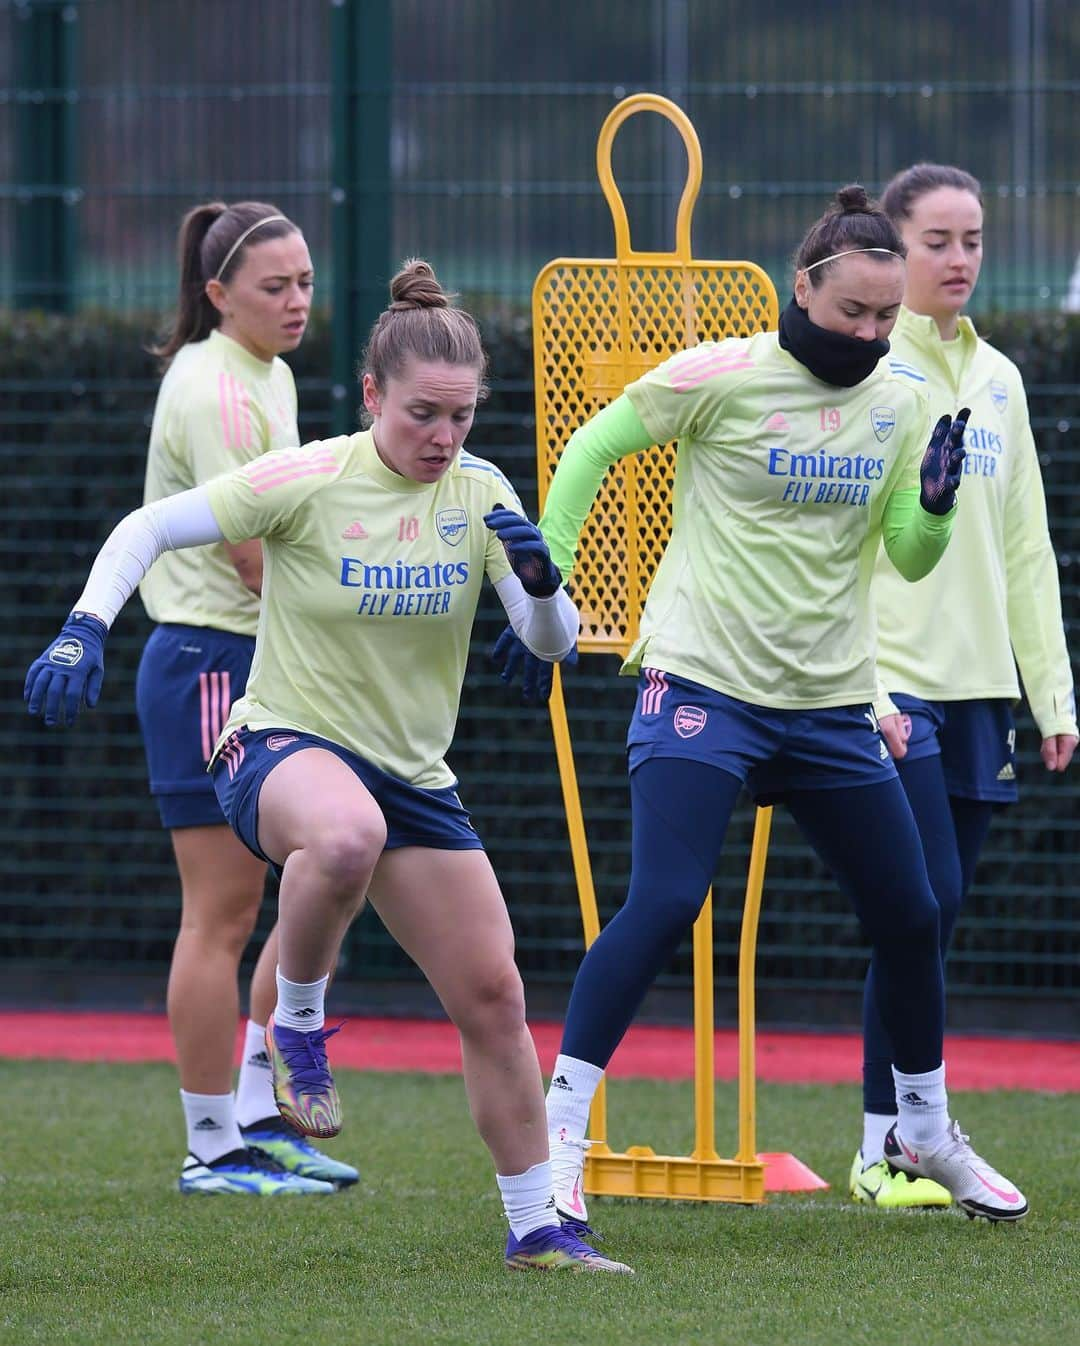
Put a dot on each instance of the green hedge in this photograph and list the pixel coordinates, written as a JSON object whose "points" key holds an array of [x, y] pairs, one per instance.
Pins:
{"points": [[90, 883]]}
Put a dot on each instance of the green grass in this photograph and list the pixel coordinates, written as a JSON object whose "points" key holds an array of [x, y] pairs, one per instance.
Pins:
{"points": [[96, 1246]]}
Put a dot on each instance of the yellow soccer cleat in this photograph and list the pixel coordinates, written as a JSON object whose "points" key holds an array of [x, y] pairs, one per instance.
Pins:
{"points": [[877, 1185]]}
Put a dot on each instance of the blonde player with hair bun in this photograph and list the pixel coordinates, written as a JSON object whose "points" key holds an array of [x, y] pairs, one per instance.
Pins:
{"points": [[331, 765]]}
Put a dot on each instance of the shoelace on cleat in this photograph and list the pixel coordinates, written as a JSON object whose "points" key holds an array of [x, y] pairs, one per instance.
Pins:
{"points": [[263, 1162], [309, 1072], [957, 1144], [562, 1239]]}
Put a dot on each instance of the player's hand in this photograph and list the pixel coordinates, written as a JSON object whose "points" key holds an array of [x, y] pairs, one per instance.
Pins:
{"points": [[526, 551], [511, 656], [69, 672], [943, 464], [1057, 751], [895, 730]]}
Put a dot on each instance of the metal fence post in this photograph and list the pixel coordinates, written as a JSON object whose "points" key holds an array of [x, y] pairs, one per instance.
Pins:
{"points": [[45, 98], [360, 194]]}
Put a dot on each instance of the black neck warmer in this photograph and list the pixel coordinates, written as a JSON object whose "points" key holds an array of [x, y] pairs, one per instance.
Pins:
{"points": [[830, 356]]}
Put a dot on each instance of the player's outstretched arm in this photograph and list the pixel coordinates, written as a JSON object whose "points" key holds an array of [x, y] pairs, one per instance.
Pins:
{"points": [[68, 673]]}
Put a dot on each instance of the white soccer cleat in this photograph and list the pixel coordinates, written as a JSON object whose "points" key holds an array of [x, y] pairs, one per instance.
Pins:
{"points": [[568, 1178], [978, 1188]]}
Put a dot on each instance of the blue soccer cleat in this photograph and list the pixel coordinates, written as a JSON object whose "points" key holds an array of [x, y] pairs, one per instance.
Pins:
{"points": [[244, 1173], [277, 1140], [557, 1248]]}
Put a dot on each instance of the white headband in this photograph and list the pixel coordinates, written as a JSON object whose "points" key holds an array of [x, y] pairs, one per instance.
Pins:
{"points": [[888, 251], [270, 219]]}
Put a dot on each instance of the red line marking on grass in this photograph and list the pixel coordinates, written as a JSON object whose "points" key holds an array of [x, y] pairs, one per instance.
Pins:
{"points": [[648, 1051]]}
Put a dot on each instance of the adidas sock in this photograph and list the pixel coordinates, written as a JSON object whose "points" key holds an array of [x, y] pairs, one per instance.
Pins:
{"points": [[875, 1127], [569, 1097], [255, 1087], [211, 1125], [528, 1199], [922, 1105], [300, 1004]]}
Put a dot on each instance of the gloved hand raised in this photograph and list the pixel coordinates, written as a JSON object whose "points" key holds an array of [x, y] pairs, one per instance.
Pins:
{"points": [[511, 655], [526, 551], [68, 672], [943, 464]]}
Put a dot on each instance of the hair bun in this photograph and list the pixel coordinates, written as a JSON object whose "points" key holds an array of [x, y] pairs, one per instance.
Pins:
{"points": [[415, 286], [853, 200]]}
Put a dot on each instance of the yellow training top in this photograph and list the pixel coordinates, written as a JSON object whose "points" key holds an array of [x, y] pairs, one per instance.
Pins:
{"points": [[218, 407]]}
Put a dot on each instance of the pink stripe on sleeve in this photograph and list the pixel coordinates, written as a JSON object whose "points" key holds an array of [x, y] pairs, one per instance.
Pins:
{"points": [[223, 407], [289, 467], [682, 381], [245, 415], [238, 431]]}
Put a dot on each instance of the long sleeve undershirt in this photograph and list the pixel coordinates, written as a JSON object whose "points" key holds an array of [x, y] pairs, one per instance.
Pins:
{"points": [[914, 539], [547, 626]]}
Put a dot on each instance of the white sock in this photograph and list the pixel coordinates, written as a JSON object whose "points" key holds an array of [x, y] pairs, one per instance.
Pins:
{"points": [[255, 1087], [528, 1199], [875, 1127], [569, 1097], [922, 1105], [300, 1004], [211, 1125]]}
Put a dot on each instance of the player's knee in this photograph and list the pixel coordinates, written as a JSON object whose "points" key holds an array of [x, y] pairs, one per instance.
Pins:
{"points": [[347, 850], [220, 921], [494, 1005], [949, 891], [920, 922], [664, 911]]}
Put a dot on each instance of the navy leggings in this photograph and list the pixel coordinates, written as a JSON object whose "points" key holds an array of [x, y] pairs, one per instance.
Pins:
{"points": [[952, 832], [865, 834]]}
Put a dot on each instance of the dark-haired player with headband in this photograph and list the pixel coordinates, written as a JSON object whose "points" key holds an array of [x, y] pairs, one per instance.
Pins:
{"points": [[226, 398], [952, 683], [799, 451], [331, 765]]}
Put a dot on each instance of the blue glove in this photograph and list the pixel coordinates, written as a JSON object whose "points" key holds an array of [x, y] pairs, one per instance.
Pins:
{"points": [[68, 672], [526, 551], [943, 464], [511, 655]]}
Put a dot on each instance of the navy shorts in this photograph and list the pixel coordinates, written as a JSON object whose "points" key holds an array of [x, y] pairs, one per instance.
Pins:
{"points": [[414, 817], [188, 678], [772, 751], [976, 740]]}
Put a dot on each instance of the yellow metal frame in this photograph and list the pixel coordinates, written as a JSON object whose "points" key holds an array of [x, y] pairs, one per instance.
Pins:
{"points": [[625, 315]]}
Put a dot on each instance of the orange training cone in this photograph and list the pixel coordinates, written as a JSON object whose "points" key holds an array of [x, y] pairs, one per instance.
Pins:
{"points": [[785, 1173]]}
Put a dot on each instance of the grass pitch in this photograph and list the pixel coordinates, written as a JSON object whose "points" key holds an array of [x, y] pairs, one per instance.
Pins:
{"points": [[96, 1245]]}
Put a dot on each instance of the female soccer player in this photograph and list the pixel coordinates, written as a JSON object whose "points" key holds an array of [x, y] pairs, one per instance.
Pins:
{"points": [[798, 451], [331, 765], [226, 398], [953, 681]]}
